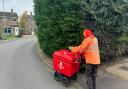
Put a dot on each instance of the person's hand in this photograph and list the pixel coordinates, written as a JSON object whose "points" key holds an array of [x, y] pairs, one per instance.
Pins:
{"points": [[70, 47]]}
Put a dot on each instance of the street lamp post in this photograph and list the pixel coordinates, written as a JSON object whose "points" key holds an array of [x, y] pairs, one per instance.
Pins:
{"points": [[3, 19]]}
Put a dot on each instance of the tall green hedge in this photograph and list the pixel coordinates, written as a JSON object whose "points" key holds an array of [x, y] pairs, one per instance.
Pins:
{"points": [[61, 23], [110, 18]]}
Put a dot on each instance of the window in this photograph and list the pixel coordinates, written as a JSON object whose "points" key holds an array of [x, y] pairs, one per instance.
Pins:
{"points": [[7, 30], [14, 20]]}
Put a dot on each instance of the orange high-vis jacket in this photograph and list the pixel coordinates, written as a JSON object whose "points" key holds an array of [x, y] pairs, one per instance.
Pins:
{"points": [[90, 49]]}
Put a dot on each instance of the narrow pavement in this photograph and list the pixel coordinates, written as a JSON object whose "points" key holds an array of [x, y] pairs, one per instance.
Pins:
{"points": [[21, 67]]}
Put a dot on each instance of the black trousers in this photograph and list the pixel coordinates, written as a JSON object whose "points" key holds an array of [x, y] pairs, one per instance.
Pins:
{"points": [[91, 73]]}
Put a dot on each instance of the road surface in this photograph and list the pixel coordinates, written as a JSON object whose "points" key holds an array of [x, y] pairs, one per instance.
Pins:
{"points": [[21, 68]]}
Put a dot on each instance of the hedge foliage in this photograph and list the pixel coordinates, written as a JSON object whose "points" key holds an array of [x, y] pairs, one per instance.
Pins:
{"points": [[61, 23], [110, 25]]}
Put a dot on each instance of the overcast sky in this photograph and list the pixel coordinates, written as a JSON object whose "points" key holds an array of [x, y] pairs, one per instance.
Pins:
{"points": [[19, 6]]}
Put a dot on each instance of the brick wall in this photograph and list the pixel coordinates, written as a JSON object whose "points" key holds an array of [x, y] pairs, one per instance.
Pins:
{"points": [[29, 25], [8, 23]]}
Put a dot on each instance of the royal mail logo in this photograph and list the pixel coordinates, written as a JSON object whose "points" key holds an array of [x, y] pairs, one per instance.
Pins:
{"points": [[60, 65]]}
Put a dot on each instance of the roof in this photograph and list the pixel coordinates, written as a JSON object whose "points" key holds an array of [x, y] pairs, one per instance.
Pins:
{"points": [[8, 14], [30, 16]]}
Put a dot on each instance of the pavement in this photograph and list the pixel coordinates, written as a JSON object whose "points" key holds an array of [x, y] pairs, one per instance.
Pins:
{"points": [[22, 68], [119, 69], [109, 77]]}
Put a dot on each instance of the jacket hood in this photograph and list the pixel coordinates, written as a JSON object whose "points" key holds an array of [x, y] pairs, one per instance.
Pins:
{"points": [[87, 32]]}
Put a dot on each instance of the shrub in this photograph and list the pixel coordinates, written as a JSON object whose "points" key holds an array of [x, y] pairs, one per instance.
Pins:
{"points": [[61, 22]]}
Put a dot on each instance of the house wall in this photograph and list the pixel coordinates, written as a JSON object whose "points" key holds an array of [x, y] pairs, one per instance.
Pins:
{"points": [[11, 20], [9, 23], [30, 26]]}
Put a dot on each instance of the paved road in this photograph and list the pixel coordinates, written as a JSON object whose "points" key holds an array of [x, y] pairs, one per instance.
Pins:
{"points": [[21, 68]]}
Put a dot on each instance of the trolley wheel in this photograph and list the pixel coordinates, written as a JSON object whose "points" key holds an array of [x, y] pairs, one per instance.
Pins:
{"points": [[57, 76], [74, 77], [65, 81]]}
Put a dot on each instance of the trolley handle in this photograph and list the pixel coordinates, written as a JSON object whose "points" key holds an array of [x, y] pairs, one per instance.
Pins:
{"points": [[77, 55]]}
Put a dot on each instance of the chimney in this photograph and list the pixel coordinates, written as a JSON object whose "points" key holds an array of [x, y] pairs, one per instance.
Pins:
{"points": [[11, 11]]}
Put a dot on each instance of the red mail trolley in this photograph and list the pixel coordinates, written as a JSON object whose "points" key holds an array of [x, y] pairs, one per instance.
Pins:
{"points": [[66, 65]]}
